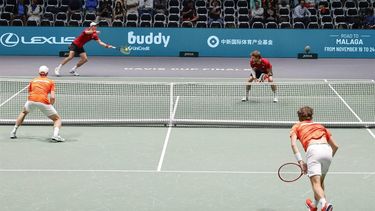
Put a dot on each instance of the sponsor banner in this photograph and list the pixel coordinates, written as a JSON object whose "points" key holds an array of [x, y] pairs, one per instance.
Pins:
{"points": [[276, 43]]}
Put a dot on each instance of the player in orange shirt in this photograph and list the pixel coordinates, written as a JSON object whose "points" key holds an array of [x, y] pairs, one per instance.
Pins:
{"points": [[261, 71], [39, 89], [320, 148]]}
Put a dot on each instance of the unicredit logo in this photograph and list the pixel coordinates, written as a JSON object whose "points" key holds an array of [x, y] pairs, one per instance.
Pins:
{"points": [[9, 40]]}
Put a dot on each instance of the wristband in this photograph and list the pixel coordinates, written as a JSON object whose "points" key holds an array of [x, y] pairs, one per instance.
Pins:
{"points": [[298, 156]]}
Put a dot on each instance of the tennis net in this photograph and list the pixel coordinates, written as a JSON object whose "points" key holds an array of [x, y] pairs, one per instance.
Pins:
{"points": [[335, 103]]}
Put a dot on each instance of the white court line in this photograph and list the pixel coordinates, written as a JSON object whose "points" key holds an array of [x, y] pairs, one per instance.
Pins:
{"points": [[167, 136], [350, 109], [13, 96], [168, 171]]}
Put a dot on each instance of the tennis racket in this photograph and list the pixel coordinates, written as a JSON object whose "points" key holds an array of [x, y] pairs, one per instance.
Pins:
{"points": [[290, 172], [263, 77], [122, 49]]}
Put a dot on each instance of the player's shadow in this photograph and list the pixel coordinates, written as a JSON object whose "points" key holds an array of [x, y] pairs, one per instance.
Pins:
{"points": [[44, 139]]}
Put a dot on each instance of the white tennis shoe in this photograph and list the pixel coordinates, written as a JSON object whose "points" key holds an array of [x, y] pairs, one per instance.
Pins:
{"points": [[13, 135], [74, 72], [57, 139], [275, 100], [244, 99]]}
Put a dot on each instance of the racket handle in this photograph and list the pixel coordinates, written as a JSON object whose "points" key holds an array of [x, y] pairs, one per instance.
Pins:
{"points": [[113, 47]]}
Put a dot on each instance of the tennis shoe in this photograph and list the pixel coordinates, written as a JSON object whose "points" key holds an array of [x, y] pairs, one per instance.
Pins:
{"points": [[244, 99], [13, 135], [275, 100], [57, 71], [310, 205], [58, 139], [74, 72], [327, 207]]}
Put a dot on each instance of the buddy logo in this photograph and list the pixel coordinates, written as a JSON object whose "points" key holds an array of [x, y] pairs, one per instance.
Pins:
{"points": [[11, 40]]}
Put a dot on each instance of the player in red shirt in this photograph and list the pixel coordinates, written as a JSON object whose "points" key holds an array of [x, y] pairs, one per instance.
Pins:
{"points": [[261, 71], [320, 148], [42, 97], [77, 47]]}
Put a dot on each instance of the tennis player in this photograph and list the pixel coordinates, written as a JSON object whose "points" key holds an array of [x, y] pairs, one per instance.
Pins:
{"points": [[39, 89], [77, 47], [320, 148], [261, 71]]}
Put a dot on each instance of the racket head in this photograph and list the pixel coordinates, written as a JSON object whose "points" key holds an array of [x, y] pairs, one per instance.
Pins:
{"points": [[264, 77], [290, 172]]}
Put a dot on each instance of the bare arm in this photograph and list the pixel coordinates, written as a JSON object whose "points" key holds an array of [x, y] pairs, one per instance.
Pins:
{"points": [[333, 145], [52, 97], [293, 141], [104, 44]]}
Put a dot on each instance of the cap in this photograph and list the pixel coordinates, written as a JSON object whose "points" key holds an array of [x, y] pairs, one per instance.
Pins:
{"points": [[93, 24], [43, 69]]}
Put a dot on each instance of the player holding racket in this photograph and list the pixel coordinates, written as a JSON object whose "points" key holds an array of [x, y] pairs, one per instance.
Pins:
{"points": [[77, 47], [261, 70], [320, 147], [39, 89]]}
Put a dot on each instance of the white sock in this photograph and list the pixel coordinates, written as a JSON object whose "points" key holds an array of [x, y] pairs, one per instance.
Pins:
{"points": [[60, 65], [74, 68], [56, 131], [15, 129], [322, 202], [316, 202]]}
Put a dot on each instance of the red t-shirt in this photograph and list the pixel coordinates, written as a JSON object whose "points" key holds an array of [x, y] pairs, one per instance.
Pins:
{"points": [[83, 38], [263, 66]]}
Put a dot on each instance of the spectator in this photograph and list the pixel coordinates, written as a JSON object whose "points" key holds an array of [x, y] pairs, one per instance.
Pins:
{"points": [[323, 10], [160, 6], [34, 11], [212, 2], [369, 22], [146, 6], [214, 13], [270, 13], [189, 13], [258, 11], [20, 10], [105, 11], [119, 11], [301, 13], [75, 6], [132, 7], [91, 5]]}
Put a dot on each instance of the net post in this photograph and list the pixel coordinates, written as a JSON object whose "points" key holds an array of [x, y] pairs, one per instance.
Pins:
{"points": [[171, 88]]}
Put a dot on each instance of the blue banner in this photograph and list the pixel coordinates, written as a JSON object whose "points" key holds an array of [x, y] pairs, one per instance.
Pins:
{"points": [[275, 43]]}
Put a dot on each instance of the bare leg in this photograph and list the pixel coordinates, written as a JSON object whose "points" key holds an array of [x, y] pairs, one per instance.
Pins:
{"points": [[66, 60], [82, 61], [19, 121], [56, 127], [273, 88], [248, 88], [318, 189]]}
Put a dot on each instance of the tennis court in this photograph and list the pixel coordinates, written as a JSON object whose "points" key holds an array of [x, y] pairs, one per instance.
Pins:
{"points": [[119, 166]]}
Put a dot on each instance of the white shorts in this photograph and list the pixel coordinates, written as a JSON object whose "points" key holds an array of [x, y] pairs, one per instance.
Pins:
{"points": [[318, 159], [46, 109]]}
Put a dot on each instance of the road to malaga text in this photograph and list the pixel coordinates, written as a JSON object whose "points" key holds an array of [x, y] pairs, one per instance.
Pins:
{"points": [[349, 39]]}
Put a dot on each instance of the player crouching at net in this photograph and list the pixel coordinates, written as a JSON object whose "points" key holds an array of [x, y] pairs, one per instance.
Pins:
{"points": [[39, 89], [320, 148], [77, 47], [261, 71]]}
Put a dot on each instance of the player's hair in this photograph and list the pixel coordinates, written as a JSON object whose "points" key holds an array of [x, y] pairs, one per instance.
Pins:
{"points": [[256, 54], [305, 113]]}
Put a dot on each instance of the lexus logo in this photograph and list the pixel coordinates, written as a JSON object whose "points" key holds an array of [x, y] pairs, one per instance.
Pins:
{"points": [[9, 39]]}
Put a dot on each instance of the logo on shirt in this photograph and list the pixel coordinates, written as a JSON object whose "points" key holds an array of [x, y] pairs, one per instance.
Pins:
{"points": [[213, 41], [11, 40]]}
